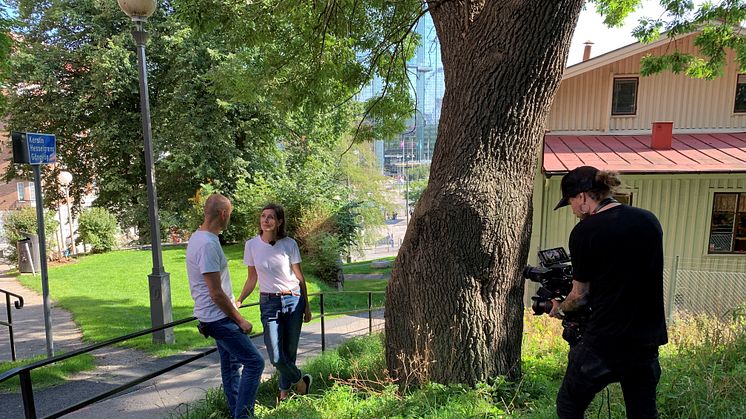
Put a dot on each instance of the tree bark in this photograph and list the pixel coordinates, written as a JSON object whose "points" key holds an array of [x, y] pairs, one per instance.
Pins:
{"points": [[454, 310]]}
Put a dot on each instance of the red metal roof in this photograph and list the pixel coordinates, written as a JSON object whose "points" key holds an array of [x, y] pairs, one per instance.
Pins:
{"points": [[689, 153]]}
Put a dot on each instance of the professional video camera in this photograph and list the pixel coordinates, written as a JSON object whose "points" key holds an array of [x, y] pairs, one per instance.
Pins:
{"points": [[554, 273]]}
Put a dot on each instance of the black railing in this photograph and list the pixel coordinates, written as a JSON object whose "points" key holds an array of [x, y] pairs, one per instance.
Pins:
{"points": [[24, 372], [19, 305]]}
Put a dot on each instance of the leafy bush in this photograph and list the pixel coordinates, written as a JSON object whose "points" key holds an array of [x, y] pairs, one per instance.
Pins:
{"points": [[24, 220], [97, 227]]}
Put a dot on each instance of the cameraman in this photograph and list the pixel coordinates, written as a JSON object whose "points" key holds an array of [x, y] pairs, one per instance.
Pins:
{"points": [[617, 259]]}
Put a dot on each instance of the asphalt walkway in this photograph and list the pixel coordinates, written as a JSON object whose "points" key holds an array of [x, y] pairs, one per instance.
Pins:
{"points": [[166, 396]]}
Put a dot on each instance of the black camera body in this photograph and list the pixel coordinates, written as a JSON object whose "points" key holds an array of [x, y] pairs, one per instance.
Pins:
{"points": [[555, 275]]}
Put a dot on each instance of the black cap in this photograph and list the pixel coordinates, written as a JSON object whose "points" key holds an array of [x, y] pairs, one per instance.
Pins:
{"points": [[580, 179]]}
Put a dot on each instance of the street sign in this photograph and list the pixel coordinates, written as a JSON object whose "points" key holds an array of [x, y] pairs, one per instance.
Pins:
{"points": [[42, 148], [37, 149]]}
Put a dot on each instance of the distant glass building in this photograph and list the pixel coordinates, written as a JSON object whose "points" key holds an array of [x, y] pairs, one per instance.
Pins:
{"points": [[415, 145]]}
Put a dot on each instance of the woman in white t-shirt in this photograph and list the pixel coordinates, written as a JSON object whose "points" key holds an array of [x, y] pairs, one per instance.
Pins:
{"points": [[274, 260]]}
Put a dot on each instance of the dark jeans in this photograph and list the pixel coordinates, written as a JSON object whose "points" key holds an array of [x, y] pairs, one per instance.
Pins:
{"points": [[590, 370], [282, 317], [236, 350]]}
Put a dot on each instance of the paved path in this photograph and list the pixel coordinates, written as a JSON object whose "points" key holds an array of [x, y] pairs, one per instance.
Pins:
{"points": [[162, 397], [28, 323]]}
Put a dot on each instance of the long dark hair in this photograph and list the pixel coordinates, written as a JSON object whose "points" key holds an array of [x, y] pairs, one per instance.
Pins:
{"points": [[280, 214]]}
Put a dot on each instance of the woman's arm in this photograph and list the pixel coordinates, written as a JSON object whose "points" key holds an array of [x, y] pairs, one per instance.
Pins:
{"points": [[248, 286], [304, 291]]}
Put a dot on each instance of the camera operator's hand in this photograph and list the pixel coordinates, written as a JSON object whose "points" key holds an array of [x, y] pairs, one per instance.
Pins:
{"points": [[556, 312]]}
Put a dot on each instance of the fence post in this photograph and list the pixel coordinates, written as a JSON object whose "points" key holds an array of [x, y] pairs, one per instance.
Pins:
{"points": [[27, 394], [10, 328], [672, 289], [370, 315], [323, 337]]}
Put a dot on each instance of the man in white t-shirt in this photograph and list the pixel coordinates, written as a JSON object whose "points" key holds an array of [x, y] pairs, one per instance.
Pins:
{"points": [[210, 286]]}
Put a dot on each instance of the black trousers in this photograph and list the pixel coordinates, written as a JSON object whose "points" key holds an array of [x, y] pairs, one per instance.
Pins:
{"points": [[590, 371]]}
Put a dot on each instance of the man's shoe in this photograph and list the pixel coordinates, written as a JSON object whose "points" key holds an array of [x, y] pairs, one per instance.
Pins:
{"points": [[307, 379]]}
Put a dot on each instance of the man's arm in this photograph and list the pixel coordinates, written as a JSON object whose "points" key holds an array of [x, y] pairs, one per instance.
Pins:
{"points": [[248, 286], [575, 299], [212, 279]]}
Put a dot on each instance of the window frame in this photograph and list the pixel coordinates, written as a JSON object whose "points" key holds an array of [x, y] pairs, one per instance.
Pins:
{"points": [[613, 93], [735, 94], [624, 196], [31, 192], [740, 195], [21, 191]]}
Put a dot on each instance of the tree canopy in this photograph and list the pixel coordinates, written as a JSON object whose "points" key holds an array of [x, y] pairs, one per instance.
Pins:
{"points": [[225, 105]]}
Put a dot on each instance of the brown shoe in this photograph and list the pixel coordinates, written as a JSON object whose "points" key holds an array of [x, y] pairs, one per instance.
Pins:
{"points": [[283, 395], [306, 388]]}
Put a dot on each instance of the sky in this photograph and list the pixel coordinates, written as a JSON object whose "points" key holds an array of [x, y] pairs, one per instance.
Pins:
{"points": [[591, 28]]}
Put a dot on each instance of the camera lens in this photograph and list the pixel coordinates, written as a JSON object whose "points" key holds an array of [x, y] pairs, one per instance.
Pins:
{"points": [[541, 306]]}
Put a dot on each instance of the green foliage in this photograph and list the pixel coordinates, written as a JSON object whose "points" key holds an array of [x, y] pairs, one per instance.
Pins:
{"points": [[313, 55], [718, 27], [615, 11], [418, 172], [98, 228], [325, 257], [6, 44], [416, 189], [24, 220]]}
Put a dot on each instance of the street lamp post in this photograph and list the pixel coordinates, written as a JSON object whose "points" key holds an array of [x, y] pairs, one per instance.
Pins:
{"points": [[159, 280], [65, 178]]}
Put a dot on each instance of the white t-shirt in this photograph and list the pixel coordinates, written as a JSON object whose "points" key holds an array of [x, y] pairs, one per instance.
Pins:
{"points": [[204, 255], [273, 263]]}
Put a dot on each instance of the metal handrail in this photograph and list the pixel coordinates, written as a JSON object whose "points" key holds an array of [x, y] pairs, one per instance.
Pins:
{"points": [[24, 372], [18, 305]]}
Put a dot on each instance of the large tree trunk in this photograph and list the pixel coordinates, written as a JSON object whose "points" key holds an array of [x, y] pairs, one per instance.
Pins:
{"points": [[454, 310]]}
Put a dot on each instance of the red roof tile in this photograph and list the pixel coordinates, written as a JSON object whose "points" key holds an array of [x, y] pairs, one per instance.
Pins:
{"points": [[689, 153]]}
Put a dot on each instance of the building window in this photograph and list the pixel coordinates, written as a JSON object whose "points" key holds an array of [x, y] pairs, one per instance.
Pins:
{"points": [[624, 198], [728, 224], [31, 192], [624, 98], [21, 189], [740, 102]]}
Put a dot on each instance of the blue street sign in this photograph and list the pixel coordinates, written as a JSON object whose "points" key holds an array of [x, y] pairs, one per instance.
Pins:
{"points": [[42, 148]]}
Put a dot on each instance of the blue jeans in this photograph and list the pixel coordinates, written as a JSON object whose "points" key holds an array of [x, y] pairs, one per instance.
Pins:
{"points": [[282, 317], [236, 350]]}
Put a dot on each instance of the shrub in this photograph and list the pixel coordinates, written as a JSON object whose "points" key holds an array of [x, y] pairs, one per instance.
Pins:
{"points": [[97, 227], [24, 219]]}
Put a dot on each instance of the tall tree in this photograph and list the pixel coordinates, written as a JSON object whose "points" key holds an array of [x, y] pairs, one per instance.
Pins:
{"points": [[456, 288]]}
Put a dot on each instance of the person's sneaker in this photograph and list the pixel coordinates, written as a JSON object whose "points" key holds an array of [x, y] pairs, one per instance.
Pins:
{"points": [[307, 381]]}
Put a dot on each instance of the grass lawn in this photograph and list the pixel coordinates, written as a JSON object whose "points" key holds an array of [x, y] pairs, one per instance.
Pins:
{"points": [[108, 295], [46, 376], [364, 267]]}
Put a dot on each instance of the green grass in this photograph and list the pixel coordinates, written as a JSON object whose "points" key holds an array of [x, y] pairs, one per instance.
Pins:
{"points": [[366, 285], [704, 376], [107, 295], [49, 375], [364, 267]]}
